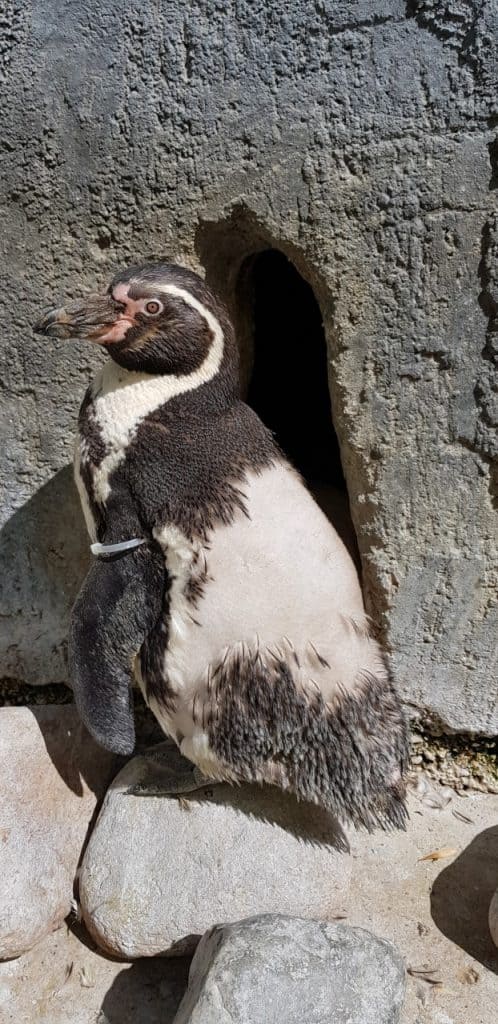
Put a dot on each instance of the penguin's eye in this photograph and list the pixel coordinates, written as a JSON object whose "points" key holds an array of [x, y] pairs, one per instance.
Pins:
{"points": [[153, 307]]}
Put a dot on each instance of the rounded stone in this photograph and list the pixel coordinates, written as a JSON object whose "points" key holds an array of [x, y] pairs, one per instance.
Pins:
{"points": [[52, 775], [158, 871], [274, 968]]}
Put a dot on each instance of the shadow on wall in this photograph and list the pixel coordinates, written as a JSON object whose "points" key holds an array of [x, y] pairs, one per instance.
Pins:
{"points": [[44, 552], [147, 992], [461, 896]]}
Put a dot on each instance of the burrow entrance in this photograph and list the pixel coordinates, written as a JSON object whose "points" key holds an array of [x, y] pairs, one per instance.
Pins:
{"points": [[284, 360], [288, 385]]}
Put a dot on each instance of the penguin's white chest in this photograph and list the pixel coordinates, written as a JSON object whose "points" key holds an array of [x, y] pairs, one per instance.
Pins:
{"points": [[278, 581]]}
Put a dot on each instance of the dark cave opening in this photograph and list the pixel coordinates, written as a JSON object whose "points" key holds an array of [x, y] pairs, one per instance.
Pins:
{"points": [[288, 385]]}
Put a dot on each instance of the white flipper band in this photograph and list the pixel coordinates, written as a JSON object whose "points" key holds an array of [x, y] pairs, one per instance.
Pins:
{"points": [[114, 549]]}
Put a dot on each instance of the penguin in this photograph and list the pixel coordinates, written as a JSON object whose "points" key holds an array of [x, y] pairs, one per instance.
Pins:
{"points": [[217, 585]]}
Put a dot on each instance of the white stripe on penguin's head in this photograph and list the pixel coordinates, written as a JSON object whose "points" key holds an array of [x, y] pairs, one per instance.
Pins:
{"points": [[124, 398], [209, 368]]}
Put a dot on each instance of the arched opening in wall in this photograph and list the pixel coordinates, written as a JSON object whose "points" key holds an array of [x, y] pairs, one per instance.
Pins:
{"points": [[286, 378]]}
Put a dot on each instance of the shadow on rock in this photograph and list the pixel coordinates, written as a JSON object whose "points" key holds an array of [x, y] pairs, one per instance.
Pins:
{"points": [[148, 992], [308, 822], [305, 821], [461, 896], [72, 751]]}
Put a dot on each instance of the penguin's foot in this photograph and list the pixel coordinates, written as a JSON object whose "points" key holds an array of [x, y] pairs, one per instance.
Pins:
{"points": [[166, 773], [165, 783]]}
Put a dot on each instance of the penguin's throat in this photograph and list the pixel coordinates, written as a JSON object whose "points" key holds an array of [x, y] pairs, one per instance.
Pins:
{"points": [[122, 399]]}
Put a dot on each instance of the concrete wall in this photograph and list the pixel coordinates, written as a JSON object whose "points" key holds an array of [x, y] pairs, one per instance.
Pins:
{"points": [[357, 137]]}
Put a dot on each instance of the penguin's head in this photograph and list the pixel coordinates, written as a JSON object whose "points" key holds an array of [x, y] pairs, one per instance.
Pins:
{"points": [[154, 317]]}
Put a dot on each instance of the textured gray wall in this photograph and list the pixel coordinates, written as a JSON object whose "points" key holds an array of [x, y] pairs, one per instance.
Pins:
{"points": [[357, 137]]}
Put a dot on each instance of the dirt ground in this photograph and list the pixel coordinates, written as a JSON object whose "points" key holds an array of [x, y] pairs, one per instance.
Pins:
{"points": [[434, 910]]}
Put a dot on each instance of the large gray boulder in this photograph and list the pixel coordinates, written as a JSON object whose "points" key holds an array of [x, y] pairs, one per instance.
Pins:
{"points": [[355, 137], [281, 970], [52, 774], [158, 871]]}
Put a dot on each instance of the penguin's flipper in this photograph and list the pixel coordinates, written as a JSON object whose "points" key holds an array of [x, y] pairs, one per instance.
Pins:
{"points": [[119, 603]]}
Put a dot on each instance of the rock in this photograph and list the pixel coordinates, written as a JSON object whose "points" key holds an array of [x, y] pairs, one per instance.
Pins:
{"points": [[158, 870], [283, 970], [52, 776], [368, 160], [493, 918]]}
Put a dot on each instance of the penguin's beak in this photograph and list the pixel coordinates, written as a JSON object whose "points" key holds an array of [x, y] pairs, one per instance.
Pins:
{"points": [[90, 319]]}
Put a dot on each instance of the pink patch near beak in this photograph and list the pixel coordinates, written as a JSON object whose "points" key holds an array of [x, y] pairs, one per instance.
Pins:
{"points": [[125, 320], [118, 330]]}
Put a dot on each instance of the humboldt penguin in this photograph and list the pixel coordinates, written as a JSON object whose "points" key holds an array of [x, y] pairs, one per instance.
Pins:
{"points": [[217, 584]]}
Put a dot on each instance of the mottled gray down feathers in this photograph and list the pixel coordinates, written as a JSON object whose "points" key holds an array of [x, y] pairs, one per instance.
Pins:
{"points": [[341, 758]]}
